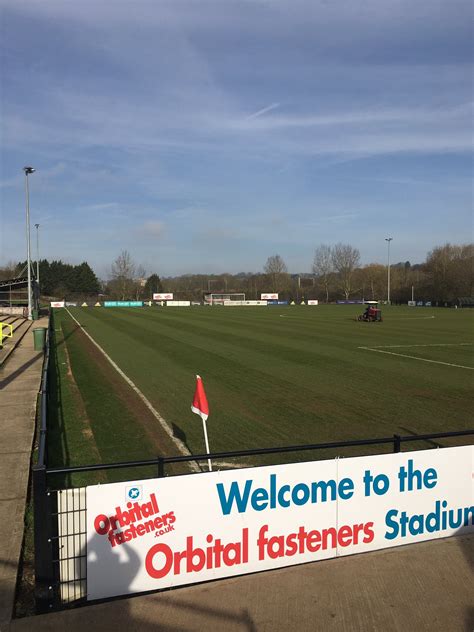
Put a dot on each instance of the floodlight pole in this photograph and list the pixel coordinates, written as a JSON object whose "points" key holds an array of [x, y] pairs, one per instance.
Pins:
{"points": [[28, 171], [37, 255], [388, 240]]}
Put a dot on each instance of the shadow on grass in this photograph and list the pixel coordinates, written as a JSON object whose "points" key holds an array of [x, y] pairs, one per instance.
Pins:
{"points": [[179, 434], [58, 450], [433, 444]]}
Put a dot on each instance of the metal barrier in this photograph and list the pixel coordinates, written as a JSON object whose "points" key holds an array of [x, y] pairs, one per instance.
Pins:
{"points": [[60, 514], [9, 329]]}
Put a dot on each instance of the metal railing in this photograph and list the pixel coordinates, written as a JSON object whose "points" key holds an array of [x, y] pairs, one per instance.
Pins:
{"points": [[160, 462]]}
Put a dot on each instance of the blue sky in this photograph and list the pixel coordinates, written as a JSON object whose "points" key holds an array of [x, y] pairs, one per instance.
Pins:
{"points": [[207, 136]]}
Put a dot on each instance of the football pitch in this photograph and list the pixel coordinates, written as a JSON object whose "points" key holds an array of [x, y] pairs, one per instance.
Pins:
{"points": [[277, 376]]}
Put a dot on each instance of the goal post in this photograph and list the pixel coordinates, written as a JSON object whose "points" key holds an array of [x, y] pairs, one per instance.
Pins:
{"points": [[222, 299]]}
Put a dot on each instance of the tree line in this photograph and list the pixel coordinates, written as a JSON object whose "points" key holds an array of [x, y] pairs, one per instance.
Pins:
{"points": [[57, 278], [446, 275]]}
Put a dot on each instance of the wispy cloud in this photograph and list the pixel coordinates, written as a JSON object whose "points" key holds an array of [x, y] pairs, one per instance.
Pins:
{"points": [[258, 113], [264, 122]]}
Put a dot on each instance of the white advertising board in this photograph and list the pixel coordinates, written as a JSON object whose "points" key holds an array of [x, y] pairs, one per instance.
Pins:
{"points": [[163, 297], [57, 304], [269, 297], [313, 302], [178, 303], [158, 533], [243, 303]]}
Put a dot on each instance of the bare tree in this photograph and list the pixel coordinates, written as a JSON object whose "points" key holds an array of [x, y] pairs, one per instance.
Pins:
{"points": [[323, 266], [345, 260], [450, 271], [276, 269], [9, 270], [123, 272], [374, 280]]}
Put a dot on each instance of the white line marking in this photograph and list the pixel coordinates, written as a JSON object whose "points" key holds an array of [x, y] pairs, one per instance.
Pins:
{"points": [[436, 344], [231, 465], [404, 355], [163, 423], [411, 318]]}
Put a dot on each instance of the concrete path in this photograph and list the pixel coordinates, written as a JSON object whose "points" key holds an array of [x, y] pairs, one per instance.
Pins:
{"points": [[419, 587], [20, 378]]}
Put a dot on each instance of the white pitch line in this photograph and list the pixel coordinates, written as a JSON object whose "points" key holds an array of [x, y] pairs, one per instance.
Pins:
{"points": [[404, 355], [411, 318], [435, 344], [163, 423]]}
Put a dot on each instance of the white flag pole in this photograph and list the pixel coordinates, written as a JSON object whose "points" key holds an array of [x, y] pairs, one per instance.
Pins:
{"points": [[207, 443]]}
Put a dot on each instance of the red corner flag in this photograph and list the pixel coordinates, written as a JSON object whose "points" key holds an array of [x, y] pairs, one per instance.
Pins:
{"points": [[201, 408], [200, 405]]}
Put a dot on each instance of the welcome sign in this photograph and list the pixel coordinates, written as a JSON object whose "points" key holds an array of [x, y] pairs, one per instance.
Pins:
{"points": [[158, 533]]}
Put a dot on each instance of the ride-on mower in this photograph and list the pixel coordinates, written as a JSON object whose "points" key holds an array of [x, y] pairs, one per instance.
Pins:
{"points": [[372, 314]]}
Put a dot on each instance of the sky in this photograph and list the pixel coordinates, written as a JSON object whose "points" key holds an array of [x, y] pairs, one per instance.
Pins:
{"points": [[207, 136]]}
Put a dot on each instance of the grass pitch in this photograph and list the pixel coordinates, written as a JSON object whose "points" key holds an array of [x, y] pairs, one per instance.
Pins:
{"points": [[278, 376]]}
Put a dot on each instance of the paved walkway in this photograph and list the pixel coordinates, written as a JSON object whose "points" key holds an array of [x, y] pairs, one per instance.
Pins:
{"points": [[20, 378], [426, 586]]}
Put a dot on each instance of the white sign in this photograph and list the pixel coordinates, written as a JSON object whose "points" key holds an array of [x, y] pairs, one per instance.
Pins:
{"points": [[269, 297], [313, 302], [57, 304], [243, 303], [178, 303], [163, 297], [158, 533]]}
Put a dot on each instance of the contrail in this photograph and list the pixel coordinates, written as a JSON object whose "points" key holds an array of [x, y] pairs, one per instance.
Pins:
{"points": [[262, 111]]}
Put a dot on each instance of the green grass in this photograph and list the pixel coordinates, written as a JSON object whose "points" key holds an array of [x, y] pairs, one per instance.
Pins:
{"points": [[87, 422], [284, 375]]}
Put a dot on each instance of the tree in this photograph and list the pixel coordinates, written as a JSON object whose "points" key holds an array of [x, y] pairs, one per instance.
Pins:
{"points": [[345, 260], [323, 266], [450, 271], [153, 285], [9, 271], [123, 272], [84, 280], [374, 281], [277, 271]]}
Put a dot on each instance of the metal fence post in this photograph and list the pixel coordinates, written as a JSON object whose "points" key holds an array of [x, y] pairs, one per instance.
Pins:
{"points": [[161, 467], [396, 443], [44, 572]]}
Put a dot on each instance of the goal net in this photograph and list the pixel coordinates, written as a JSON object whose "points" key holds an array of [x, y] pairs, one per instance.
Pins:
{"points": [[222, 299]]}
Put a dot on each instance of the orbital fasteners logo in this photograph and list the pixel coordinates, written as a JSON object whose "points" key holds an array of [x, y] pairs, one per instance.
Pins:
{"points": [[134, 492]]}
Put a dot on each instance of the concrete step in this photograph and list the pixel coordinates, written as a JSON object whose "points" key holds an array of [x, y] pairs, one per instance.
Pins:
{"points": [[20, 329]]}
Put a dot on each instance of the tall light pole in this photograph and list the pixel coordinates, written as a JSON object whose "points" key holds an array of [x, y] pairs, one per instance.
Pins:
{"points": [[28, 171], [388, 240], [37, 255]]}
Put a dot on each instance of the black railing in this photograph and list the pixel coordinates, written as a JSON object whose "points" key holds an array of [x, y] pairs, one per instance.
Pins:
{"points": [[160, 462], [42, 496]]}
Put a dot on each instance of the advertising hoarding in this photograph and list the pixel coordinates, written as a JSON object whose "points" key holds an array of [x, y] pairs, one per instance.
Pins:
{"points": [[57, 303], [158, 533], [163, 297], [123, 303], [269, 297]]}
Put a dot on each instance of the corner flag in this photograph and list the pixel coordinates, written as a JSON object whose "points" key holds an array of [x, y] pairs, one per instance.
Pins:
{"points": [[201, 408], [200, 405]]}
